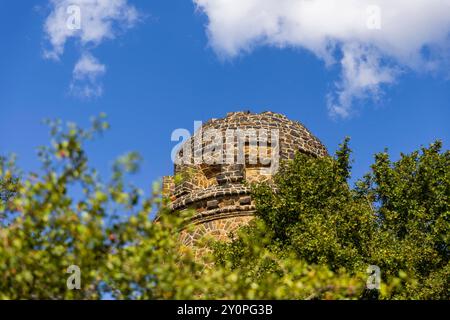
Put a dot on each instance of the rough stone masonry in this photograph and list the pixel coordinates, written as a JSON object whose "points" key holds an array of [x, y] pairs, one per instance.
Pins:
{"points": [[219, 193]]}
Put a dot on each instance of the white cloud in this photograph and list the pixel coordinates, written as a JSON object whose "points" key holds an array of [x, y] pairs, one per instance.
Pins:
{"points": [[88, 23], [372, 40], [85, 77]]}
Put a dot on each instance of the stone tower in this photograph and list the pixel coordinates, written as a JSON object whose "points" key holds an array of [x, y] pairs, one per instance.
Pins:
{"points": [[221, 163]]}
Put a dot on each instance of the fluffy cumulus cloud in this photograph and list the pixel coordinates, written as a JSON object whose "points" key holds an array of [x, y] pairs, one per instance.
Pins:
{"points": [[88, 23], [373, 41]]}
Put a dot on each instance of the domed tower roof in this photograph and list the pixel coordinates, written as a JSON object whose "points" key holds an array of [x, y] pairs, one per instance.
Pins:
{"points": [[225, 154]]}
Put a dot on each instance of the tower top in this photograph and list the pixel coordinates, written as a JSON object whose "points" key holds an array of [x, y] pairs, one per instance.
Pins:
{"points": [[226, 154]]}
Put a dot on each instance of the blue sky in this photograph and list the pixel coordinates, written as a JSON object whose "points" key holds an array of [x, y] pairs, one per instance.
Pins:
{"points": [[169, 69]]}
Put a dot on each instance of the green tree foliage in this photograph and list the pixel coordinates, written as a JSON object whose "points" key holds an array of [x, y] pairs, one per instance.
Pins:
{"points": [[412, 201], [396, 218], [8, 182], [313, 236]]}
